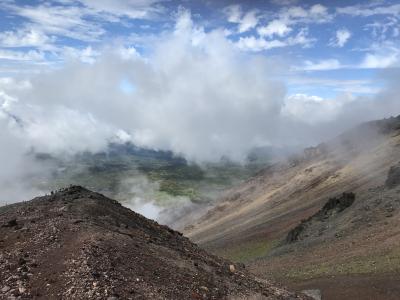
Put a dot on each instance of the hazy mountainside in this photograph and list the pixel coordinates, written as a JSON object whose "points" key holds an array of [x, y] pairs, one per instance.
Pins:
{"points": [[77, 244], [148, 180], [293, 222]]}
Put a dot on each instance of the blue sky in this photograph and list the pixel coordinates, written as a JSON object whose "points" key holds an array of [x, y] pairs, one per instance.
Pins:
{"points": [[200, 78], [325, 42]]}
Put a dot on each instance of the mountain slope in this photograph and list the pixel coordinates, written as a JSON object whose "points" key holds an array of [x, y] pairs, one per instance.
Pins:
{"points": [[77, 244], [252, 222]]}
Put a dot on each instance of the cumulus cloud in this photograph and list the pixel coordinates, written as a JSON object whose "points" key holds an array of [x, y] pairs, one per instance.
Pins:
{"points": [[275, 27], [191, 96], [245, 21]]}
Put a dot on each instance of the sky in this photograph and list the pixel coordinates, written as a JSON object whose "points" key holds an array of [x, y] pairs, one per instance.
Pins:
{"points": [[330, 47], [204, 79]]}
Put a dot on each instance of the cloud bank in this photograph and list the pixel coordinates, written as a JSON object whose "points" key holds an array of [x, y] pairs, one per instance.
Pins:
{"points": [[192, 91]]}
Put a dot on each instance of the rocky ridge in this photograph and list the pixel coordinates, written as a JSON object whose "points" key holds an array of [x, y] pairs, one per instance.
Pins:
{"points": [[77, 244]]}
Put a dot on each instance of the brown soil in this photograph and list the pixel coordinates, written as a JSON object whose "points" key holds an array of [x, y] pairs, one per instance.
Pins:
{"points": [[77, 244]]}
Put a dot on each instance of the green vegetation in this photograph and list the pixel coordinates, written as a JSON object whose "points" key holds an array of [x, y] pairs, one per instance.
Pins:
{"points": [[174, 176], [248, 252]]}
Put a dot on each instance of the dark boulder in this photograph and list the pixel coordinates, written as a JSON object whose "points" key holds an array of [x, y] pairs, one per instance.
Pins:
{"points": [[393, 178], [339, 203]]}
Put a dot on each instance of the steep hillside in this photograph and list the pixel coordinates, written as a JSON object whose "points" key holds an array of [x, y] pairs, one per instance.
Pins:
{"points": [[77, 244], [288, 222]]}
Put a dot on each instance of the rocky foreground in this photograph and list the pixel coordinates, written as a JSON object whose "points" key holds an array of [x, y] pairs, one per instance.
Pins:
{"points": [[77, 244]]}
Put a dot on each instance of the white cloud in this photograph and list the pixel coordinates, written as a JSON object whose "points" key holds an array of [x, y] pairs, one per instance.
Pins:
{"points": [[275, 27], [341, 111], [31, 55], [301, 38], [342, 36], [380, 57], [25, 38], [191, 94], [312, 109], [135, 9], [245, 21], [256, 44], [328, 64], [233, 13], [17, 166], [306, 82], [86, 55], [297, 14], [60, 20], [380, 61], [286, 20], [179, 94], [318, 10], [384, 30], [249, 21], [11, 84], [253, 43], [65, 131], [77, 19], [371, 9], [284, 2]]}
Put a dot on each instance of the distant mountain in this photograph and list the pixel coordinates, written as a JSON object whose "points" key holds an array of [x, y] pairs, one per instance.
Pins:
{"points": [[77, 244], [292, 221]]}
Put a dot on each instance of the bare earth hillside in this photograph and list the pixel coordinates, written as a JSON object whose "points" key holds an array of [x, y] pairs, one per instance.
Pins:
{"points": [[77, 244], [289, 221]]}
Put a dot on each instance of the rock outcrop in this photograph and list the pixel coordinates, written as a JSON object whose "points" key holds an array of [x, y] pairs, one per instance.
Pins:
{"points": [[329, 210]]}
